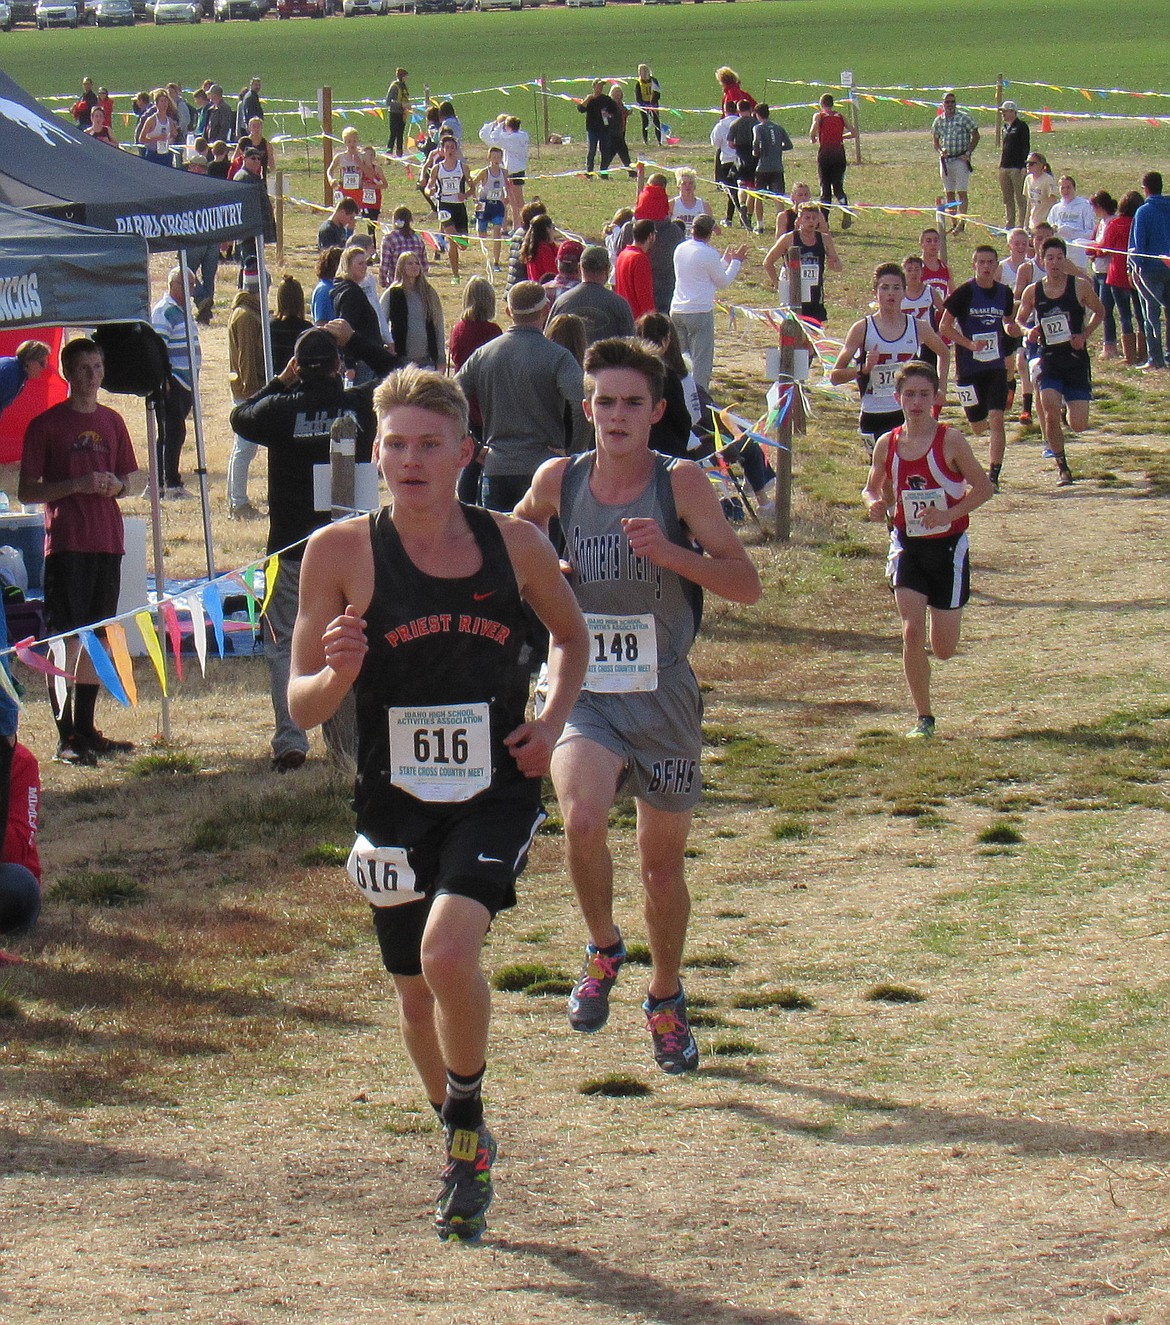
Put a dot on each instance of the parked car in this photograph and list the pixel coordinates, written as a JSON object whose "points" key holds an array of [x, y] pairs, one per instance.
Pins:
{"points": [[110, 13], [249, 9], [5, 17], [584, 4], [177, 11], [498, 4], [355, 8], [23, 11], [438, 6], [56, 14], [300, 8]]}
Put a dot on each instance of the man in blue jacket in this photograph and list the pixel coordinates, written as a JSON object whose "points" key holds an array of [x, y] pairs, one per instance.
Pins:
{"points": [[1149, 246], [26, 365]]}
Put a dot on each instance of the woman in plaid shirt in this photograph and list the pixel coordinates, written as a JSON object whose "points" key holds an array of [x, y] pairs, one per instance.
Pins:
{"points": [[401, 239]]}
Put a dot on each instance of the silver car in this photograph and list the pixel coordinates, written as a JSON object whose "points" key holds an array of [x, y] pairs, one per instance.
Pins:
{"points": [[177, 11], [110, 13], [56, 14]]}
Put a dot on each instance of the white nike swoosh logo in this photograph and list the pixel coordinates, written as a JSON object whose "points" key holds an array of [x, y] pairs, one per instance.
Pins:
{"points": [[489, 860]]}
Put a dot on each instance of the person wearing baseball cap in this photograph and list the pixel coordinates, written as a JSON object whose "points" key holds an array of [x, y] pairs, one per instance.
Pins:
{"points": [[604, 313], [293, 416], [568, 275], [1013, 160]]}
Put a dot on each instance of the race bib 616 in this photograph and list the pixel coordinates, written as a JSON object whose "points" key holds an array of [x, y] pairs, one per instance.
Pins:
{"points": [[441, 753], [383, 874]]}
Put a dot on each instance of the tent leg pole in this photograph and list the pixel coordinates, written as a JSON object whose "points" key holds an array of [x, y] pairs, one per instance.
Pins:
{"points": [[200, 449], [160, 583], [265, 316]]}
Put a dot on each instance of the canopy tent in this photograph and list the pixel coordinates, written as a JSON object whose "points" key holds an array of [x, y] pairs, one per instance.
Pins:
{"points": [[53, 274], [49, 166]]}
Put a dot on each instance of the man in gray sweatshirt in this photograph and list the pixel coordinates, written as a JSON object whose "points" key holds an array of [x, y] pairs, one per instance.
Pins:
{"points": [[522, 384]]}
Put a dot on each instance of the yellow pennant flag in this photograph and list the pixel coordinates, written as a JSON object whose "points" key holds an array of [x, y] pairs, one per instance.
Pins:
{"points": [[116, 643], [271, 570], [145, 624]]}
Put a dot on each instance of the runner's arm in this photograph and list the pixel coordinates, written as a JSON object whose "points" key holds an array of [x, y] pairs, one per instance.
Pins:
{"points": [[832, 260], [932, 340], [845, 369], [1091, 301], [546, 591], [329, 638], [723, 566], [542, 501], [959, 455], [775, 254], [878, 493]]}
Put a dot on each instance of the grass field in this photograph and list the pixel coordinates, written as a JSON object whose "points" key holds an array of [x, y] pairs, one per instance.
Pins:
{"points": [[891, 42], [929, 983]]}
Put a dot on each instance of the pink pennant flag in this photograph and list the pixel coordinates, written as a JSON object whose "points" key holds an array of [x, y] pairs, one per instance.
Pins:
{"points": [[174, 634], [24, 651]]}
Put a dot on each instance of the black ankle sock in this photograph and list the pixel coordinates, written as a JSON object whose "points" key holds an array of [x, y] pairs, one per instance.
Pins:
{"points": [[613, 949], [65, 721], [84, 703], [463, 1106], [993, 471], [658, 1002], [1027, 402]]}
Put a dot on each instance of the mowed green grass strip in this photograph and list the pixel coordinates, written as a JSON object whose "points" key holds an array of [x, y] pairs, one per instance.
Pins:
{"points": [[882, 41]]}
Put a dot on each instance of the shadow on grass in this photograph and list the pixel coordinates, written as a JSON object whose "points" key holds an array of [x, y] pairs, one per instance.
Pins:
{"points": [[1072, 604], [746, 629], [21, 1153], [593, 1281], [915, 1125]]}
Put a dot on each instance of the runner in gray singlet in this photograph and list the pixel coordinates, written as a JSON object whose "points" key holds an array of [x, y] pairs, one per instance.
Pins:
{"points": [[658, 734], [644, 537]]}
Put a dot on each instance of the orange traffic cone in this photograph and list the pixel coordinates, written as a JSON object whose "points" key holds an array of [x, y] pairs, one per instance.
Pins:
{"points": [[1046, 122]]}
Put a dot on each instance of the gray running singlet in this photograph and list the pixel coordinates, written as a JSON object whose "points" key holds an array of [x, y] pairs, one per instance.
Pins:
{"points": [[609, 580]]}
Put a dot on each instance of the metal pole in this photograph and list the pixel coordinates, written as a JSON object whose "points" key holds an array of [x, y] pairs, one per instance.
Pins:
{"points": [[278, 206], [544, 98], [156, 538], [265, 322], [854, 115], [940, 221], [197, 415]]}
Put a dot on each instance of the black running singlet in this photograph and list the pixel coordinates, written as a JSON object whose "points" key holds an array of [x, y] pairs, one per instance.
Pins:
{"points": [[444, 681]]}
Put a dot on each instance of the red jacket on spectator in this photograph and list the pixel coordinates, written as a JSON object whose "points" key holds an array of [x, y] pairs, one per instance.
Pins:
{"points": [[633, 279]]}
